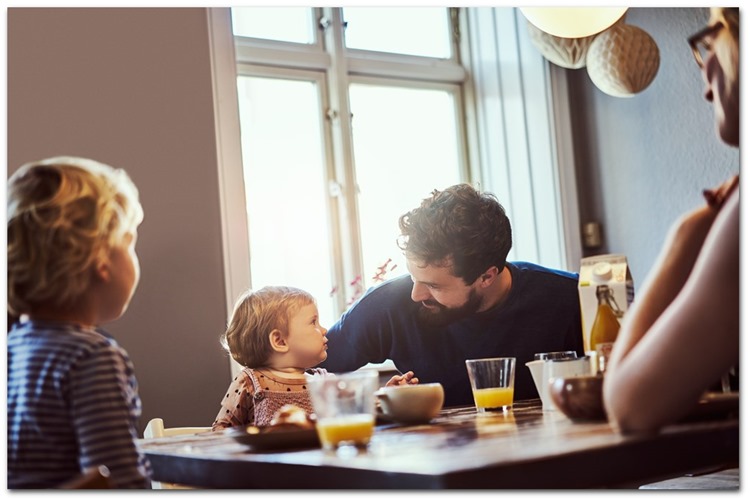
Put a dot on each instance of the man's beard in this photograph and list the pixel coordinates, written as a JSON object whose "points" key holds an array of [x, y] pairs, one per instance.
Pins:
{"points": [[445, 315]]}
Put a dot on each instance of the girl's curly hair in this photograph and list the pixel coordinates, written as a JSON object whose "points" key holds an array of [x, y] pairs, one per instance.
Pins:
{"points": [[256, 314]]}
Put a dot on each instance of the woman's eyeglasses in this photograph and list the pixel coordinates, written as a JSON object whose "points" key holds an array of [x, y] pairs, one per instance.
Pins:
{"points": [[701, 42]]}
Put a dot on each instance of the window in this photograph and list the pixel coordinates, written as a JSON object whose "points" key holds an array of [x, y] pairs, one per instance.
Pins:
{"points": [[285, 183], [405, 145], [341, 133], [344, 120], [289, 24], [392, 30]]}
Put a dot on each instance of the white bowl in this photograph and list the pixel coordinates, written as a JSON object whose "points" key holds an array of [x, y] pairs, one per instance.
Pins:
{"points": [[411, 403]]}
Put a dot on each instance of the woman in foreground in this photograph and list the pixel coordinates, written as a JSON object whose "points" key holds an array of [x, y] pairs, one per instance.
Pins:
{"points": [[682, 333]]}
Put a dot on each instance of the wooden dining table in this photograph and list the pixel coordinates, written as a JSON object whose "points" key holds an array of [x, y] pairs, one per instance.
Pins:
{"points": [[526, 447]]}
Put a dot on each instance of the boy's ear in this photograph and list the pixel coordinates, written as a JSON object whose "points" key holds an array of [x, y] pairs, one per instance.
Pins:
{"points": [[278, 342], [101, 270]]}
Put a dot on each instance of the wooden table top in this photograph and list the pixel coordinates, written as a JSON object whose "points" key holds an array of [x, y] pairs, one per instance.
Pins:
{"points": [[524, 448]]}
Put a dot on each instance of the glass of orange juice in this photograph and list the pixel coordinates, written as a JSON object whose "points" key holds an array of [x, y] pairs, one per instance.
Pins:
{"points": [[344, 406], [492, 382]]}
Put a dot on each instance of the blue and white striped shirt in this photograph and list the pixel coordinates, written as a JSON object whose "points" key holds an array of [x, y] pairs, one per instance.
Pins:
{"points": [[72, 404]]}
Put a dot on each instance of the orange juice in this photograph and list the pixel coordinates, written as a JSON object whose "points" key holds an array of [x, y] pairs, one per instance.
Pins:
{"points": [[606, 325], [355, 428], [493, 397]]}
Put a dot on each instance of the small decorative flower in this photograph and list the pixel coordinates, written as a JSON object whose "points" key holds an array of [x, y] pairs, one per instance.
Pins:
{"points": [[357, 285]]}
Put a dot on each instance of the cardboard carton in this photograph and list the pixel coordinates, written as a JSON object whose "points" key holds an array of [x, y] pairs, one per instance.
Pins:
{"points": [[611, 270]]}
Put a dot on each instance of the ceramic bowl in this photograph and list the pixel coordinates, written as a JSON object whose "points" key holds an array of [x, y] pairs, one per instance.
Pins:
{"points": [[579, 397], [411, 403]]}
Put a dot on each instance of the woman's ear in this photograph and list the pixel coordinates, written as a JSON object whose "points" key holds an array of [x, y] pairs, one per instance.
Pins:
{"points": [[278, 341]]}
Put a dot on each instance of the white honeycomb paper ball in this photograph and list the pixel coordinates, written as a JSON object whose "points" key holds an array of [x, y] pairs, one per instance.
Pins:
{"points": [[622, 60], [566, 52]]}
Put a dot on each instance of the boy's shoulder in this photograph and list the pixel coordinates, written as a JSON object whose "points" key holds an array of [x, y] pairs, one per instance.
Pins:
{"points": [[59, 336]]}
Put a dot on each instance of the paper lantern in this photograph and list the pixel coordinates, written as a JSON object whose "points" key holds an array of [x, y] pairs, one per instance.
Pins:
{"points": [[573, 22], [623, 60], [566, 52]]}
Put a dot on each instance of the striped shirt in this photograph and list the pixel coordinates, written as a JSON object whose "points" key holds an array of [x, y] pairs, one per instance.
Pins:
{"points": [[72, 404]]}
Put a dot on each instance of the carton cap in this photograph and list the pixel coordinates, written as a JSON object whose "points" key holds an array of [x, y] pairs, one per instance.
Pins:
{"points": [[602, 271]]}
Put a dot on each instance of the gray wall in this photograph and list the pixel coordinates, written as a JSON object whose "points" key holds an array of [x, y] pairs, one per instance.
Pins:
{"points": [[132, 88], [642, 161]]}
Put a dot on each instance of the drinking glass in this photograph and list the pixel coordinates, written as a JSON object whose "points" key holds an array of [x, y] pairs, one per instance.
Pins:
{"points": [[344, 405], [492, 381], [555, 355]]}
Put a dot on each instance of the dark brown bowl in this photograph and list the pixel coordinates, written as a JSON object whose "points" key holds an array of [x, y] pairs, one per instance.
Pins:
{"points": [[579, 398]]}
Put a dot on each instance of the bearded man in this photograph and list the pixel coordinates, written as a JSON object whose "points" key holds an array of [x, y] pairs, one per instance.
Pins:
{"points": [[461, 300]]}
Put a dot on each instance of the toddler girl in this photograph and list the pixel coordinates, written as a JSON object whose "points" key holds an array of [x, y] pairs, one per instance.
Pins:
{"points": [[275, 335]]}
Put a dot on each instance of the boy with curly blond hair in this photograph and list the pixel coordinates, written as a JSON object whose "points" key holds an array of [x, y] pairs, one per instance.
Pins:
{"points": [[73, 398]]}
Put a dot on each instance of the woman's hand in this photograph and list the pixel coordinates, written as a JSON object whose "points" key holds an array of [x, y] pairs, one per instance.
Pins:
{"points": [[404, 379]]}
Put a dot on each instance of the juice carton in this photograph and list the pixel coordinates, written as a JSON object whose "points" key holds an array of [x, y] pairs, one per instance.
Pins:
{"points": [[608, 274]]}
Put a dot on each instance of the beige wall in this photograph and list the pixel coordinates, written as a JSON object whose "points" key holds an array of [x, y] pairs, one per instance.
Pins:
{"points": [[132, 88]]}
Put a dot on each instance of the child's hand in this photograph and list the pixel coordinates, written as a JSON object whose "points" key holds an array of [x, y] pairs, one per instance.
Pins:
{"points": [[406, 378]]}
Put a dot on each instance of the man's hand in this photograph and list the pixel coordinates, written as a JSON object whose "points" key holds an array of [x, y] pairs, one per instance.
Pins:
{"points": [[404, 379]]}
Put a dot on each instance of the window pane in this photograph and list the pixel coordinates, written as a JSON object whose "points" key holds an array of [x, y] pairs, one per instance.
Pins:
{"points": [[405, 145], [290, 241], [288, 24], [419, 31]]}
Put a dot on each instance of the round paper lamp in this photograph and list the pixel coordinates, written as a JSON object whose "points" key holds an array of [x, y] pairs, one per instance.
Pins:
{"points": [[623, 60], [566, 52], [573, 22]]}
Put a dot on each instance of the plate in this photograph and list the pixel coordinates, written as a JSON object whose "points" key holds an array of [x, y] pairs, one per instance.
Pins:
{"points": [[271, 439], [716, 405]]}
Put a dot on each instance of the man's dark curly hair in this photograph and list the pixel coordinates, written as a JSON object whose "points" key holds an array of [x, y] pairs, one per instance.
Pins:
{"points": [[458, 223]]}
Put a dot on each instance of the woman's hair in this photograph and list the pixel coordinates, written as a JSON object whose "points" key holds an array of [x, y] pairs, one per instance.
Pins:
{"points": [[728, 53], [256, 314], [64, 214], [461, 226]]}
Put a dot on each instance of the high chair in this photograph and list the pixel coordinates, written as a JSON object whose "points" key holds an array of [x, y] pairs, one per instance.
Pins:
{"points": [[155, 429]]}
